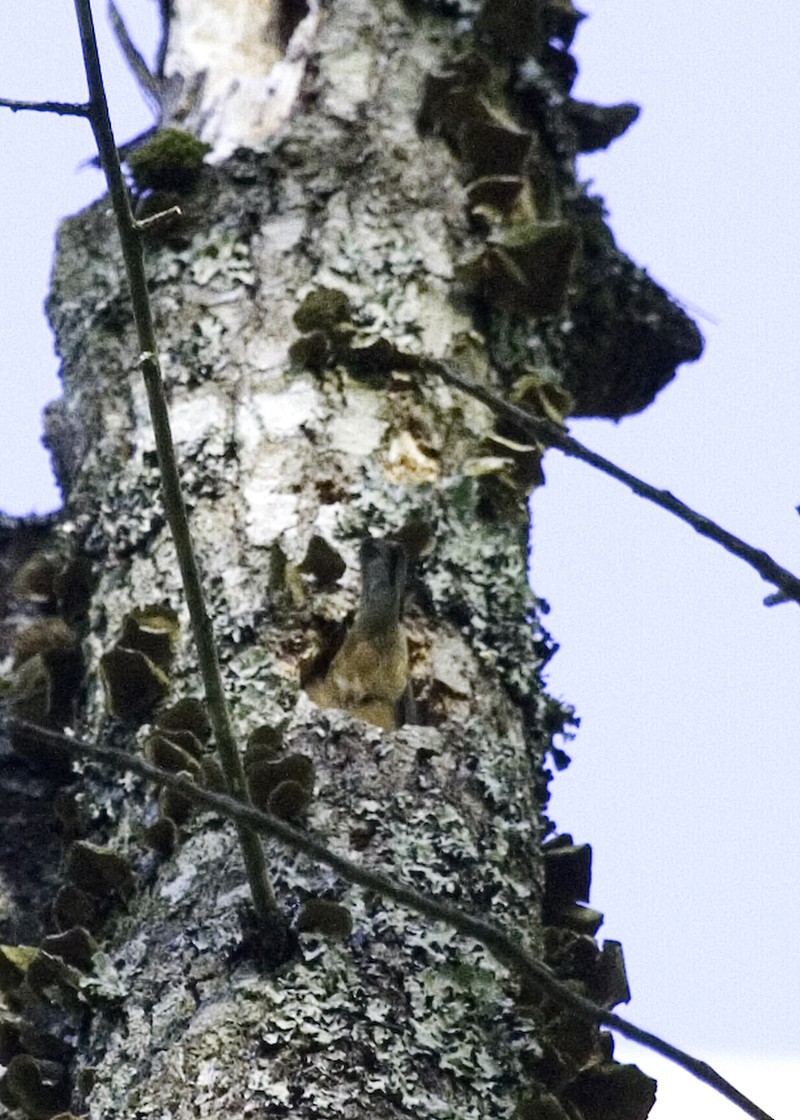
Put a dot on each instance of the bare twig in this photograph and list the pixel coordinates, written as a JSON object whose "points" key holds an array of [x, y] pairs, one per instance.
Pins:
{"points": [[264, 901], [148, 83], [506, 947], [61, 108], [550, 433], [155, 220], [163, 46]]}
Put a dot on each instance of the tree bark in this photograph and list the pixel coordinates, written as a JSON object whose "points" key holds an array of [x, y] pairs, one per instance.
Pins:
{"points": [[386, 185]]}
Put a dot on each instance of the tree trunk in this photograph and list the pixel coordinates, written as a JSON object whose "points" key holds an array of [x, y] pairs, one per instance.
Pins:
{"points": [[387, 186]]}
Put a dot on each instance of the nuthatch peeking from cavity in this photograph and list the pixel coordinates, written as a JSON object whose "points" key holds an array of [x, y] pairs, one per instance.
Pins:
{"points": [[369, 675]]}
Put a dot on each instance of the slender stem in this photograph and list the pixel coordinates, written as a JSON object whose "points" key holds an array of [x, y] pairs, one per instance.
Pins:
{"points": [[504, 946], [61, 108], [156, 220], [147, 82], [264, 901], [550, 433]]}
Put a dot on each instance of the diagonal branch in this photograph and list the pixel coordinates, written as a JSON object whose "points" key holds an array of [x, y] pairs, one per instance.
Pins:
{"points": [[506, 947], [553, 435], [149, 85], [163, 46], [61, 108]]}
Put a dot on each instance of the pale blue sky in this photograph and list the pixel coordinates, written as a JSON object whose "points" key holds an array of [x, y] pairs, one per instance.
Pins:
{"points": [[686, 769]]}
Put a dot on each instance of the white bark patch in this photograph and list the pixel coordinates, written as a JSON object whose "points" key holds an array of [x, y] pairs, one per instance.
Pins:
{"points": [[350, 78], [276, 415], [194, 418], [177, 888], [270, 513], [248, 89], [358, 429], [272, 505], [326, 524], [429, 232], [264, 353], [451, 665], [283, 414], [282, 234]]}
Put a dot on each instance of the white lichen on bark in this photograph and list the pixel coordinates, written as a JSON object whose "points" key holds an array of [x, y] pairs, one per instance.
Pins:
{"points": [[346, 196], [244, 80]]}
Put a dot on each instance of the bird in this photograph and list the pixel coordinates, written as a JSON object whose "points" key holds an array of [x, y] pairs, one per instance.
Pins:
{"points": [[369, 675]]}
